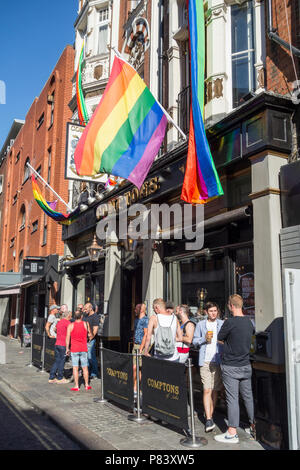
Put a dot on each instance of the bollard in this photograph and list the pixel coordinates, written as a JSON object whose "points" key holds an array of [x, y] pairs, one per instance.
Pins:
{"points": [[193, 441], [101, 399], [31, 348], [133, 417], [42, 371]]}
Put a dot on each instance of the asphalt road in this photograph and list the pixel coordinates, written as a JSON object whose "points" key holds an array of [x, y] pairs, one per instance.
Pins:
{"points": [[23, 428]]}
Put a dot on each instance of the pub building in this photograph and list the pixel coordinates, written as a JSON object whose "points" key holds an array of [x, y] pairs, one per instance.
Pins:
{"points": [[240, 253]]}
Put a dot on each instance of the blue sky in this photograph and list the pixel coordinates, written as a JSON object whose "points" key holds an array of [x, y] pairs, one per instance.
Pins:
{"points": [[33, 34]]}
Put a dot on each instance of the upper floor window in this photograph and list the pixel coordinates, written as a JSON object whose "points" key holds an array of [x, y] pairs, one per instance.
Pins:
{"points": [[20, 260], [26, 171], [40, 120], [35, 225], [22, 218], [18, 157], [103, 31], [242, 51], [51, 104], [1, 183], [49, 165]]}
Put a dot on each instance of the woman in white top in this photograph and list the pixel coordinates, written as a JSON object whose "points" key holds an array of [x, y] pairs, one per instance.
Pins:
{"points": [[163, 319]]}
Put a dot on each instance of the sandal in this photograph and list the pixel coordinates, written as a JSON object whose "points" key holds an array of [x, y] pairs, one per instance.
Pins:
{"points": [[88, 387], [74, 389]]}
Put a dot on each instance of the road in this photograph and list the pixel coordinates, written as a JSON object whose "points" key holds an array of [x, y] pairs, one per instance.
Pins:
{"points": [[24, 428]]}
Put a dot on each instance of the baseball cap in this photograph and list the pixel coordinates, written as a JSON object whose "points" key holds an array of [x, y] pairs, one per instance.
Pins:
{"points": [[53, 307]]}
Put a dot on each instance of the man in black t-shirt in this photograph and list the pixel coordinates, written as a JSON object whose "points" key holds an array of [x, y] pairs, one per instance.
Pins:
{"points": [[236, 335], [92, 318]]}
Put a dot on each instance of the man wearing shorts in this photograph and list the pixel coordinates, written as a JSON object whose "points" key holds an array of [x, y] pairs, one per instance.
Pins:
{"points": [[205, 337], [77, 332]]}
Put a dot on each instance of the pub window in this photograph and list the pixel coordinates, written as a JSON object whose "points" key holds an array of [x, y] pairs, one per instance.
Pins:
{"points": [[244, 278], [103, 31], [242, 51]]}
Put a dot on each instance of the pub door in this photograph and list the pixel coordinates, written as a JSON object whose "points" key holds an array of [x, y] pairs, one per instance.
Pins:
{"points": [[131, 295]]}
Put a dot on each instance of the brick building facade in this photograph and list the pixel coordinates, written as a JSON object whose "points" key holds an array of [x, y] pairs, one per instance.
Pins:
{"points": [[26, 230]]}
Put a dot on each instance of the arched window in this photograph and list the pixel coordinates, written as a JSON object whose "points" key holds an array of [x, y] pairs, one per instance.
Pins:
{"points": [[26, 170], [22, 217], [20, 260]]}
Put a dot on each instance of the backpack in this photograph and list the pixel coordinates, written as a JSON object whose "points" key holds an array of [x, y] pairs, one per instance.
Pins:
{"points": [[164, 340]]}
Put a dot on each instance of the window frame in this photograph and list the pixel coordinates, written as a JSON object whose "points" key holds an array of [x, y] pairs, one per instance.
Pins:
{"points": [[229, 61], [100, 23]]}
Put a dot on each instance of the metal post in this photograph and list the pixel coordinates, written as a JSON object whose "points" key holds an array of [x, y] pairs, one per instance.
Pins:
{"points": [[42, 371], [137, 418], [193, 441], [101, 399], [31, 348]]}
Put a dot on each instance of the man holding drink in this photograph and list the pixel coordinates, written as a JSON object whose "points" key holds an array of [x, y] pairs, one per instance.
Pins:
{"points": [[209, 360]]}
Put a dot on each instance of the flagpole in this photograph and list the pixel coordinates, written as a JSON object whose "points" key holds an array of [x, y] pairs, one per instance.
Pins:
{"points": [[48, 186], [171, 120]]}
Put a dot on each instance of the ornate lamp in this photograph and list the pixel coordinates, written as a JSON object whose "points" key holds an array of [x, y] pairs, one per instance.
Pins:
{"points": [[94, 250]]}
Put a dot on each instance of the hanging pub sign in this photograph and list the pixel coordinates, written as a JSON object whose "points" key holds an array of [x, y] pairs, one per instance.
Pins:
{"points": [[74, 132], [165, 391], [34, 267], [118, 377]]}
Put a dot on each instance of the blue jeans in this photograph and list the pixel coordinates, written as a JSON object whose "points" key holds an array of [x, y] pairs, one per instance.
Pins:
{"points": [[59, 363], [93, 363]]}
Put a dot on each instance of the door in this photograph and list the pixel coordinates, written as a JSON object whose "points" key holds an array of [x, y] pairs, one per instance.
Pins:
{"points": [[292, 353]]}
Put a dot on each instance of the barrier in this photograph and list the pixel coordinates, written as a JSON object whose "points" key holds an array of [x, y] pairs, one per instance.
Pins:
{"points": [[117, 377], [37, 349], [165, 391], [49, 352]]}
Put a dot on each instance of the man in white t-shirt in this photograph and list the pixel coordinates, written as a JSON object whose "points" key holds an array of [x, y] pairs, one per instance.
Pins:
{"points": [[205, 337], [52, 320]]}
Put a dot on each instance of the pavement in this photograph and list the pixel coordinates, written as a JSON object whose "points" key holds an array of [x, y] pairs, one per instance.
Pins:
{"points": [[99, 426]]}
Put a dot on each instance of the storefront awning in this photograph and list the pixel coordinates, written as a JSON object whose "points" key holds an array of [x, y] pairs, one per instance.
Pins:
{"points": [[16, 289]]}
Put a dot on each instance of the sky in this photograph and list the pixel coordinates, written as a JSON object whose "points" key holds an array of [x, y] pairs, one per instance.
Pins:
{"points": [[33, 35]]}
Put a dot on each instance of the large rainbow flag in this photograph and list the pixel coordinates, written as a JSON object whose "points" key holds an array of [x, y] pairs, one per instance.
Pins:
{"points": [[201, 180], [83, 116], [63, 219], [126, 130]]}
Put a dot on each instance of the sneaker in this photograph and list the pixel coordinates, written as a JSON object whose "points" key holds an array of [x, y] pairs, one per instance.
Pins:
{"points": [[74, 389], [251, 431], [63, 381], [209, 425], [52, 381], [227, 438], [88, 387]]}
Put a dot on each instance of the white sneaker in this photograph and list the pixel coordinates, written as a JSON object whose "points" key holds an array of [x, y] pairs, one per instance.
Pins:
{"points": [[228, 438]]}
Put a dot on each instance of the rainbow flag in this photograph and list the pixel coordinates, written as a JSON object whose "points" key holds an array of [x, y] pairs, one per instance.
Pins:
{"points": [[63, 219], [126, 130], [81, 106], [201, 180]]}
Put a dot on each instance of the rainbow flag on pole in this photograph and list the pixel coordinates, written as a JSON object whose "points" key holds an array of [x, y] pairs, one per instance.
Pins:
{"points": [[81, 106], [126, 130], [201, 181], [63, 219]]}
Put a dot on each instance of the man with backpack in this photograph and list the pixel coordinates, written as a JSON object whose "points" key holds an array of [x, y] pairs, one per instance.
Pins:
{"points": [[206, 337], [166, 330], [188, 329]]}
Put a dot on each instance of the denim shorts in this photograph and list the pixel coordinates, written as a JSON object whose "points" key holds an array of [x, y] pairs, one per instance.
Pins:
{"points": [[83, 356]]}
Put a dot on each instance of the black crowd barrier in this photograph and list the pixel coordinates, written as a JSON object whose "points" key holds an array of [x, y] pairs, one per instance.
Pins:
{"points": [[164, 388], [49, 352], [37, 349], [118, 377]]}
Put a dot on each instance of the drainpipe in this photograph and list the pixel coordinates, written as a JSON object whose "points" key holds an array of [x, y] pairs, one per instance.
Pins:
{"points": [[160, 52], [274, 36]]}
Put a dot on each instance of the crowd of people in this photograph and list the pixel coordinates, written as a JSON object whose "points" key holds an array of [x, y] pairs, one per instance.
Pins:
{"points": [[75, 336], [168, 334], [224, 353]]}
